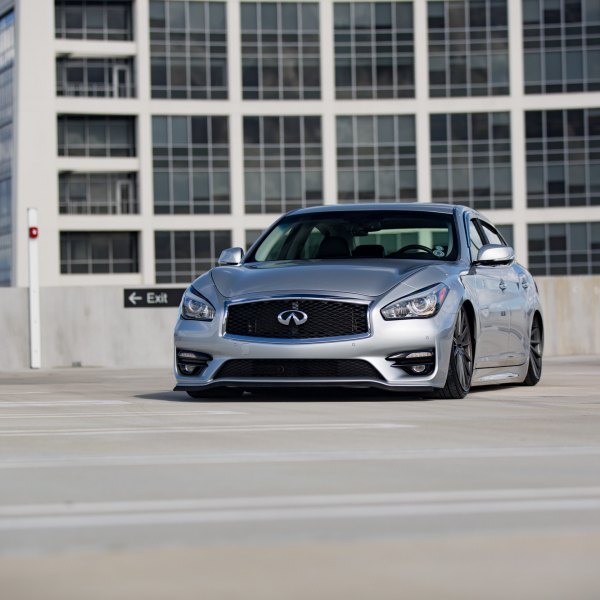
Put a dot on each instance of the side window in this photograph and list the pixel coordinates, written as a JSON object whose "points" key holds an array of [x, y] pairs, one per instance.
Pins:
{"points": [[491, 234], [476, 241]]}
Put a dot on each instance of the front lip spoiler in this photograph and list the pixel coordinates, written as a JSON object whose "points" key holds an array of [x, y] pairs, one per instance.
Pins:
{"points": [[348, 383]]}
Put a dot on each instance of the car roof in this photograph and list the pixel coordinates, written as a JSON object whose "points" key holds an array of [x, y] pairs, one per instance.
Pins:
{"points": [[428, 207]]}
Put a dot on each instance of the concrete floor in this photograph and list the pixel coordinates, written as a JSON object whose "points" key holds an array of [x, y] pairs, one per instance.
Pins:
{"points": [[112, 486]]}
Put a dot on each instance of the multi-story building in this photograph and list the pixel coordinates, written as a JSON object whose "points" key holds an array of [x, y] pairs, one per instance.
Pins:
{"points": [[150, 134]]}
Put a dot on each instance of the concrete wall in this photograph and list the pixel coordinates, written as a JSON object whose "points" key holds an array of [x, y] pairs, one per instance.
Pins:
{"points": [[14, 332], [86, 325], [571, 314], [90, 326]]}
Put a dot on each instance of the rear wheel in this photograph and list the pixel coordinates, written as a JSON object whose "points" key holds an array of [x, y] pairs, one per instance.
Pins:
{"points": [[460, 369], [536, 349], [215, 393]]}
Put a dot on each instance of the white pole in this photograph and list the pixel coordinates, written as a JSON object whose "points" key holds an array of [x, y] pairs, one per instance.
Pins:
{"points": [[34, 291]]}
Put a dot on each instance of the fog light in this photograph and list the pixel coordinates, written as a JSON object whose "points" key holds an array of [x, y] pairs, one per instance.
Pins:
{"points": [[414, 362], [191, 363], [420, 355]]}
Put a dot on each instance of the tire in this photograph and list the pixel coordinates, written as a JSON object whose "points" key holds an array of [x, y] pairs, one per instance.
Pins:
{"points": [[536, 350], [460, 369], [224, 392]]}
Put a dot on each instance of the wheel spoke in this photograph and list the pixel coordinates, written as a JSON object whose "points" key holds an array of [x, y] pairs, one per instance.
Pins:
{"points": [[468, 366], [457, 330], [535, 350], [464, 336], [462, 350], [460, 370]]}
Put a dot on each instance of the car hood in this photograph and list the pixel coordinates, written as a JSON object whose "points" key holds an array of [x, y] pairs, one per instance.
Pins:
{"points": [[363, 277]]}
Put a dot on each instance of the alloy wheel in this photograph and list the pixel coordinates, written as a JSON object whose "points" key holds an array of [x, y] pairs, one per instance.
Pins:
{"points": [[536, 349], [462, 349]]}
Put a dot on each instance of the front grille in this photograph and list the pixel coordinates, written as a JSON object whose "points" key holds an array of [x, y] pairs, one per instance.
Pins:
{"points": [[326, 318], [325, 368]]}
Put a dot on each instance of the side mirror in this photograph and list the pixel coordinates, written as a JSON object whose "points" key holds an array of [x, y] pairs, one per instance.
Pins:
{"points": [[495, 254], [231, 256]]}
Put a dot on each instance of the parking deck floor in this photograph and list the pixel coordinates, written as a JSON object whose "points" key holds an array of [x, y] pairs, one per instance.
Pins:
{"points": [[113, 486]]}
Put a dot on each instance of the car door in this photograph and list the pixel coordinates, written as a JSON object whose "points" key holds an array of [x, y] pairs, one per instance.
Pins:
{"points": [[515, 300], [493, 312]]}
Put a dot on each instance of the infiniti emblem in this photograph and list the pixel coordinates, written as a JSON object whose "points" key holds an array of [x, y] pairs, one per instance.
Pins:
{"points": [[297, 316]]}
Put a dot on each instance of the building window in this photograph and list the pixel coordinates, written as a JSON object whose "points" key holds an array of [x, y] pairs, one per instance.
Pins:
{"points": [[376, 159], [188, 50], [282, 163], [374, 50], [280, 50], [468, 48], [7, 39], [97, 194], [563, 158], [470, 159], [6, 241], [98, 252], [506, 231], [191, 165], [7, 55], [561, 44], [96, 136], [180, 256], [564, 249], [102, 77], [93, 20]]}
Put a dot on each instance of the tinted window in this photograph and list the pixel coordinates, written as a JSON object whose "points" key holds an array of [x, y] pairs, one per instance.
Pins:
{"points": [[475, 242], [360, 234], [491, 234]]}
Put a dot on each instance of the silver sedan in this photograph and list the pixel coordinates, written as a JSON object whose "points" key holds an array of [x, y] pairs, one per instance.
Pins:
{"points": [[418, 298]]}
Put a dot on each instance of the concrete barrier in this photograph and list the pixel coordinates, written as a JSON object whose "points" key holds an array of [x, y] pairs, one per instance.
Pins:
{"points": [[89, 326], [571, 314], [14, 329], [86, 326]]}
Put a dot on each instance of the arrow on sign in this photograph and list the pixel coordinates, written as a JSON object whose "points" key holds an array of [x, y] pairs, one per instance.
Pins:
{"points": [[133, 298]]}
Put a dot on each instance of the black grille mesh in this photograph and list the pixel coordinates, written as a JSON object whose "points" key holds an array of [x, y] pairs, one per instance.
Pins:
{"points": [[326, 368], [325, 319]]}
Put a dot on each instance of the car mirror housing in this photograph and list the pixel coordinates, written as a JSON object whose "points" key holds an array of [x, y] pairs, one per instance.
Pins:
{"points": [[495, 253], [231, 257]]}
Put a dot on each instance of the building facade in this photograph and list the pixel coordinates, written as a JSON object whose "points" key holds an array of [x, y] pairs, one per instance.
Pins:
{"points": [[151, 134]]}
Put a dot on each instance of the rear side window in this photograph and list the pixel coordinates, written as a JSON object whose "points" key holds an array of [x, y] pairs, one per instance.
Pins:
{"points": [[491, 234], [476, 241]]}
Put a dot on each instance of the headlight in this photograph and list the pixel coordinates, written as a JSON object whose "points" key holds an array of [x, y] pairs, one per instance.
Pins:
{"points": [[420, 305], [194, 306]]}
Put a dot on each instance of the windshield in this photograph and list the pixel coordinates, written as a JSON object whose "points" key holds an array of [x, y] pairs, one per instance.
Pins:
{"points": [[360, 234]]}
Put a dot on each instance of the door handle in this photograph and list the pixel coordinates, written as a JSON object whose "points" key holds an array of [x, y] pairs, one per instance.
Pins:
{"points": [[524, 283], [502, 285]]}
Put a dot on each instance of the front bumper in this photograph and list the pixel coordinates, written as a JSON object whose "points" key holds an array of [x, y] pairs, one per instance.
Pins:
{"points": [[257, 383], [386, 338]]}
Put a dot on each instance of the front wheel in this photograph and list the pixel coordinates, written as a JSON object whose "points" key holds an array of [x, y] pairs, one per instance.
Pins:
{"points": [[536, 349], [460, 369]]}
